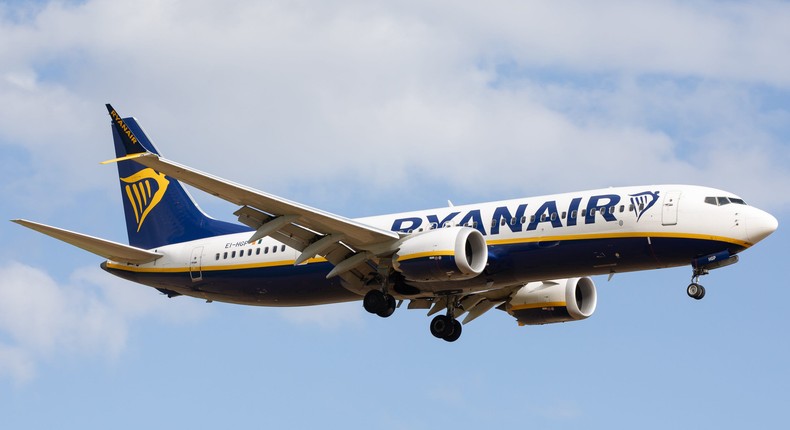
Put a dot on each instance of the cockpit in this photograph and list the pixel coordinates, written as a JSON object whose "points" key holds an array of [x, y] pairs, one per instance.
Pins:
{"points": [[721, 201]]}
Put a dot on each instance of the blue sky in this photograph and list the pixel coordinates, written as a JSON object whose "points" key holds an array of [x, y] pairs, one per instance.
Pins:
{"points": [[368, 108]]}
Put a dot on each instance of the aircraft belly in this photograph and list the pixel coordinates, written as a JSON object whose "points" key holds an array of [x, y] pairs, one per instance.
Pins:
{"points": [[534, 261], [509, 264], [272, 286]]}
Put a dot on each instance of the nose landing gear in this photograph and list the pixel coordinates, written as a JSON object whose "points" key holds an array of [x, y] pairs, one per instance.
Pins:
{"points": [[695, 290]]}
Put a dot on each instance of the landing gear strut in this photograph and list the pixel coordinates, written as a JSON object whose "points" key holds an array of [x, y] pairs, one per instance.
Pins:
{"points": [[446, 326], [695, 290]]}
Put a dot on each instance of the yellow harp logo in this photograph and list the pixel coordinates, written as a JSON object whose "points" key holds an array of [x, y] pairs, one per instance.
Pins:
{"points": [[144, 190]]}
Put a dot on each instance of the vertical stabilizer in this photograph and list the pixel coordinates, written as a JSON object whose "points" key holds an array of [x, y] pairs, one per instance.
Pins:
{"points": [[158, 210]]}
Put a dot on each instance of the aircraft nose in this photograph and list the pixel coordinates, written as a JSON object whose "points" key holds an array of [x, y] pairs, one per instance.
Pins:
{"points": [[760, 225]]}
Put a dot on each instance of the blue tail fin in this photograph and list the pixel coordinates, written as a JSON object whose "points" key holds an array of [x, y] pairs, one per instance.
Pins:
{"points": [[158, 210]]}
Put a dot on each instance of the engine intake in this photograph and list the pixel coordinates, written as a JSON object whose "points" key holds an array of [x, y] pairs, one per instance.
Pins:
{"points": [[445, 254], [555, 301]]}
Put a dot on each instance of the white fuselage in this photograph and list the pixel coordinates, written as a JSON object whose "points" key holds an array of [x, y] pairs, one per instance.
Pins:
{"points": [[584, 233]]}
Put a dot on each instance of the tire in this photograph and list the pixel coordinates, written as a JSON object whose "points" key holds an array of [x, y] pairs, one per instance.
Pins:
{"points": [[374, 302], [695, 291], [441, 326], [457, 328], [390, 306]]}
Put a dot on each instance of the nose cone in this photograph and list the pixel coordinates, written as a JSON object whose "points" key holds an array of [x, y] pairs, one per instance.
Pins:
{"points": [[760, 225]]}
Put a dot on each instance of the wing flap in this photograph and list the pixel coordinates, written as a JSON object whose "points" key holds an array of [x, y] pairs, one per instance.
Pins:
{"points": [[105, 248]]}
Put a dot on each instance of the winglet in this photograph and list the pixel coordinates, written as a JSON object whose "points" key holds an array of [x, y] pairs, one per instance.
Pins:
{"points": [[130, 141]]}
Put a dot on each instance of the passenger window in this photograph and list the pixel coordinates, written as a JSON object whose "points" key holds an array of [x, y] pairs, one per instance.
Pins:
{"points": [[282, 248], [532, 219], [249, 252], [503, 222], [233, 254], [225, 256], [543, 218], [563, 214], [258, 251], [217, 256], [573, 214], [524, 219], [434, 225], [611, 209], [584, 213], [266, 250], [554, 216], [274, 249], [622, 208], [630, 208]]}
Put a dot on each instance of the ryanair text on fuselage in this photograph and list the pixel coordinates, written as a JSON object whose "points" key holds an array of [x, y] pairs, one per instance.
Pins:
{"points": [[604, 205]]}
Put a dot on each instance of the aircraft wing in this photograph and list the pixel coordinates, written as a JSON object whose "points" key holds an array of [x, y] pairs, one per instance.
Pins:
{"points": [[342, 241], [105, 248], [358, 235]]}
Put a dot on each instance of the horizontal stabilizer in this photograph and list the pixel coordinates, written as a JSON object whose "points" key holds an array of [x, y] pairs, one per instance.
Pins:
{"points": [[110, 250]]}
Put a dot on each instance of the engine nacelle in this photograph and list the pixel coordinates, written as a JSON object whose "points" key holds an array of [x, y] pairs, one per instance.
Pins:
{"points": [[444, 254], [553, 301]]}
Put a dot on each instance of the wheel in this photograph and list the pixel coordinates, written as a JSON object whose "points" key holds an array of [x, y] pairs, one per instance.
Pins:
{"points": [[390, 306], [457, 328], [695, 291], [442, 326], [374, 302]]}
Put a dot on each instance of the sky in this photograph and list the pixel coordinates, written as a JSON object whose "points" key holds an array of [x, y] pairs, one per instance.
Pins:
{"points": [[364, 108]]}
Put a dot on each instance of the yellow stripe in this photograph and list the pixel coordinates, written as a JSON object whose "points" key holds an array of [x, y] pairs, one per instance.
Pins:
{"points": [[539, 305], [621, 236], [117, 266]]}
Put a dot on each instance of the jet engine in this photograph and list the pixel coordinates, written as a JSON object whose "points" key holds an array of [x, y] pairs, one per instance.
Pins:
{"points": [[444, 254], [553, 301]]}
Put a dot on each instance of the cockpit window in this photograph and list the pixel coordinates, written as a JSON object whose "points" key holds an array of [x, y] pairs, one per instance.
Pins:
{"points": [[721, 201]]}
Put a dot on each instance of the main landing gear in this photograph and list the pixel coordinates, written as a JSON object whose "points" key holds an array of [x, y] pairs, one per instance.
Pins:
{"points": [[446, 326], [695, 290], [379, 303]]}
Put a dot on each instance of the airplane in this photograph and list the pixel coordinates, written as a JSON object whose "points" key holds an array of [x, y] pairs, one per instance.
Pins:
{"points": [[530, 257]]}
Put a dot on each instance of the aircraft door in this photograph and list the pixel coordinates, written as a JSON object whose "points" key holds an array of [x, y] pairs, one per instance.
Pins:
{"points": [[669, 214], [195, 264]]}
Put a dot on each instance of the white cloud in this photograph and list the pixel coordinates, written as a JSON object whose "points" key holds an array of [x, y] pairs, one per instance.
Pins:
{"points": [[90, 315], [298, 95]]}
